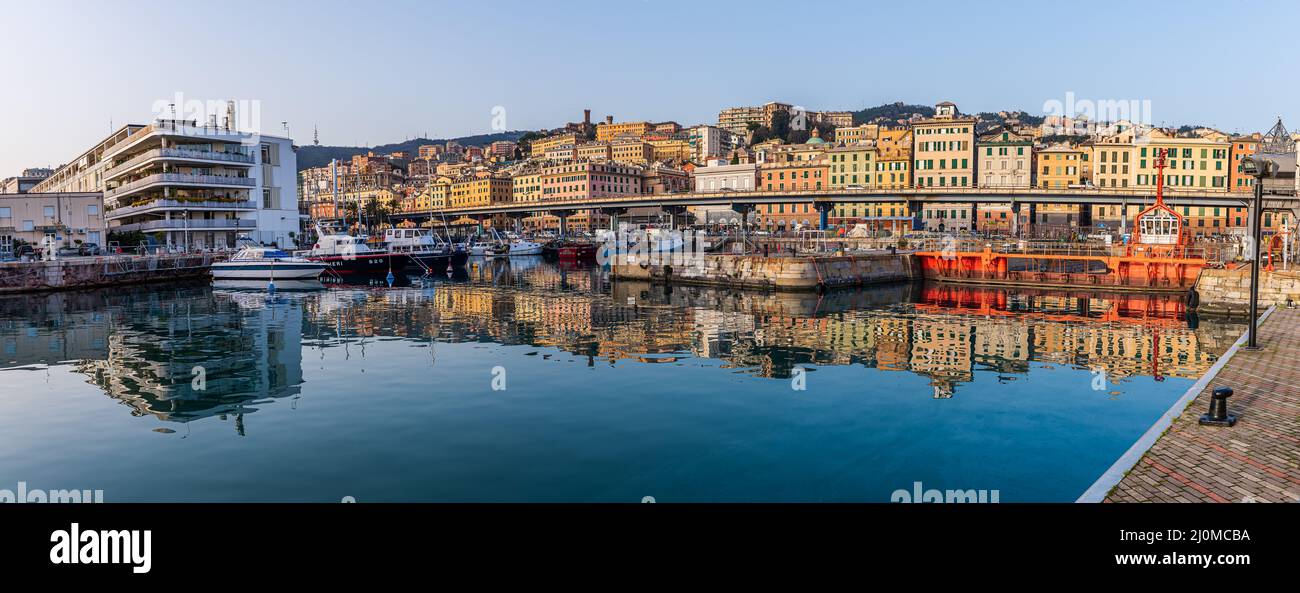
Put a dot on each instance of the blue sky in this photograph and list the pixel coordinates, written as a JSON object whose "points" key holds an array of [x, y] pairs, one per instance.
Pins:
{"points": [[381, 71]]}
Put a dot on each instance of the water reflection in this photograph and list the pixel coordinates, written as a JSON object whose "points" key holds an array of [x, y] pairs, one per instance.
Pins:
{"points": [[146, 347]]}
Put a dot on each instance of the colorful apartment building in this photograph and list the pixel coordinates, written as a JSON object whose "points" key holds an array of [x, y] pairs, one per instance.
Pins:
{"points": [[594, 151], [1005, 159], [849, 135], [632, 151], [1114, 161], [1190, 163], [894, 159], [943, 149], [1062, 166], [479, 192], [609, 131], [1242, 147]]}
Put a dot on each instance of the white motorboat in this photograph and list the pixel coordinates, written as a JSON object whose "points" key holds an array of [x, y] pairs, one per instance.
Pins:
{"points": [[516, 247], [481, 247], [266, 263], [346, 255]]}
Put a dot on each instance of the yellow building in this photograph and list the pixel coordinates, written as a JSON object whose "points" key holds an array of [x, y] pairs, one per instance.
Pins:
{"points": [[943, 149], [1192, 163], [1113, 162], [474, 193], [609, 131], [894, 159], [637, 152], [526, 188], [670, 149], [593, 151], [856, 134], [1061, 166], [541, 145]]}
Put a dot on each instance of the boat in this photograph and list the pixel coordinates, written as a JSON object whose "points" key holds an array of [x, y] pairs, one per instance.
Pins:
{"points": [[481, 246], [424, 250], [516, 248], [577, 251], [345, 254], [1159, 258], [512, 245], [266, 263]]}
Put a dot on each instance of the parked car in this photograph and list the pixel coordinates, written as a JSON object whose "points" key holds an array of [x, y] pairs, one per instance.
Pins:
{"points": [[68, 251], [90, 249]]}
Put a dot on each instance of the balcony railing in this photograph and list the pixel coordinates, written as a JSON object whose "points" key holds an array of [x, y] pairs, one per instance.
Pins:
{"points": [[172, 127], [181, 205], [181, 153], [180, 178], [184, 224]]}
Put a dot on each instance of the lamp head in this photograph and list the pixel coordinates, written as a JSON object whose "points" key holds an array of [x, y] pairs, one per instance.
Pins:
{"points": [[1258, 167]]}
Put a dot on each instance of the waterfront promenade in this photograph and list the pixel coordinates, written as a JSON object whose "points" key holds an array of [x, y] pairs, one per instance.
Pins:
{"points": [[1258, 460]]}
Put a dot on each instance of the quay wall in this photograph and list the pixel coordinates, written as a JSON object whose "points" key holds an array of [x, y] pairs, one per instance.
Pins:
{"points": [[1227, 292], [91, 272], [784, 273]]}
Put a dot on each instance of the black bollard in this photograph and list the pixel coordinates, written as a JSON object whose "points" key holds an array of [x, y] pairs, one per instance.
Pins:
{"points": [[1218, 414]]}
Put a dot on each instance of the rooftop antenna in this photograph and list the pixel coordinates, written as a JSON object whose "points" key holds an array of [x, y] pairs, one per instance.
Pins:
{"points": [[315, 135], [1277, 140], [285, 125]]}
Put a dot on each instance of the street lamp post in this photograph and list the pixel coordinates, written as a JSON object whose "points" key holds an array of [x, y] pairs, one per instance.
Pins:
{"points": [[1259, 168]]}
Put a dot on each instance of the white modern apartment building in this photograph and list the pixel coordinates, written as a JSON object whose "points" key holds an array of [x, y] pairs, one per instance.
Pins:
{"points": [[719, 176], [188, 185]]}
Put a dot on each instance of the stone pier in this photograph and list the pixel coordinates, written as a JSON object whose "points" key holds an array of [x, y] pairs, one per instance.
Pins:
{"points": [[90, 272], [1227, 292]]}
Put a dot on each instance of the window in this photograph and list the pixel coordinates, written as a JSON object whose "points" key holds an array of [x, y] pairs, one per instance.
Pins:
{"points": [[29, 226], [92, 210], [49, 212]]}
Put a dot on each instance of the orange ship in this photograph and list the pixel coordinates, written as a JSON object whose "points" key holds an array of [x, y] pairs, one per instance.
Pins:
{"points": [[1159, 257]]}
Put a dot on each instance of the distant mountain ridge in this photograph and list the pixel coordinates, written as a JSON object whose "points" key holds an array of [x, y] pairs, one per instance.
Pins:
{"points": [[312, 155]]}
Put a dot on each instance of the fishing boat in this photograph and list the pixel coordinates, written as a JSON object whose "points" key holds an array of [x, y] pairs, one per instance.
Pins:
{"points": [[266, 263], [577, 251], [345, 254], [479, 246], [424, 250]]}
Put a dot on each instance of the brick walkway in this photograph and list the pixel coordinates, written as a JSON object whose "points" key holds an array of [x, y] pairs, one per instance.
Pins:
{"points": [[1259, 458]]}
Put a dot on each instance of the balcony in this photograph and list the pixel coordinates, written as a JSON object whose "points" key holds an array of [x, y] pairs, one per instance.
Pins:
{"points": [[173, 128], [160, 205], [227, 224], [180, 179], [179, 154]]}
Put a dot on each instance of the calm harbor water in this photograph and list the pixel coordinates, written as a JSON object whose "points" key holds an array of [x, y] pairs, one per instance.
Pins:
{"points": [[529, 382]]}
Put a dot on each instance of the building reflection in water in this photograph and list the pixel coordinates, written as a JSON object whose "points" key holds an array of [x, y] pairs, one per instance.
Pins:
{"points": [[141, 345], [943, 332]]}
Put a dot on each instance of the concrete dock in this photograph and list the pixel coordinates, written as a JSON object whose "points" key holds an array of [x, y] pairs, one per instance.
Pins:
{"points": [[1257, 460], [91, 272]]}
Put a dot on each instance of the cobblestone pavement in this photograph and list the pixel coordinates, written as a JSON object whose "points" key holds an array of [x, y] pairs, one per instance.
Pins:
{"points": [[1258, 460]]}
